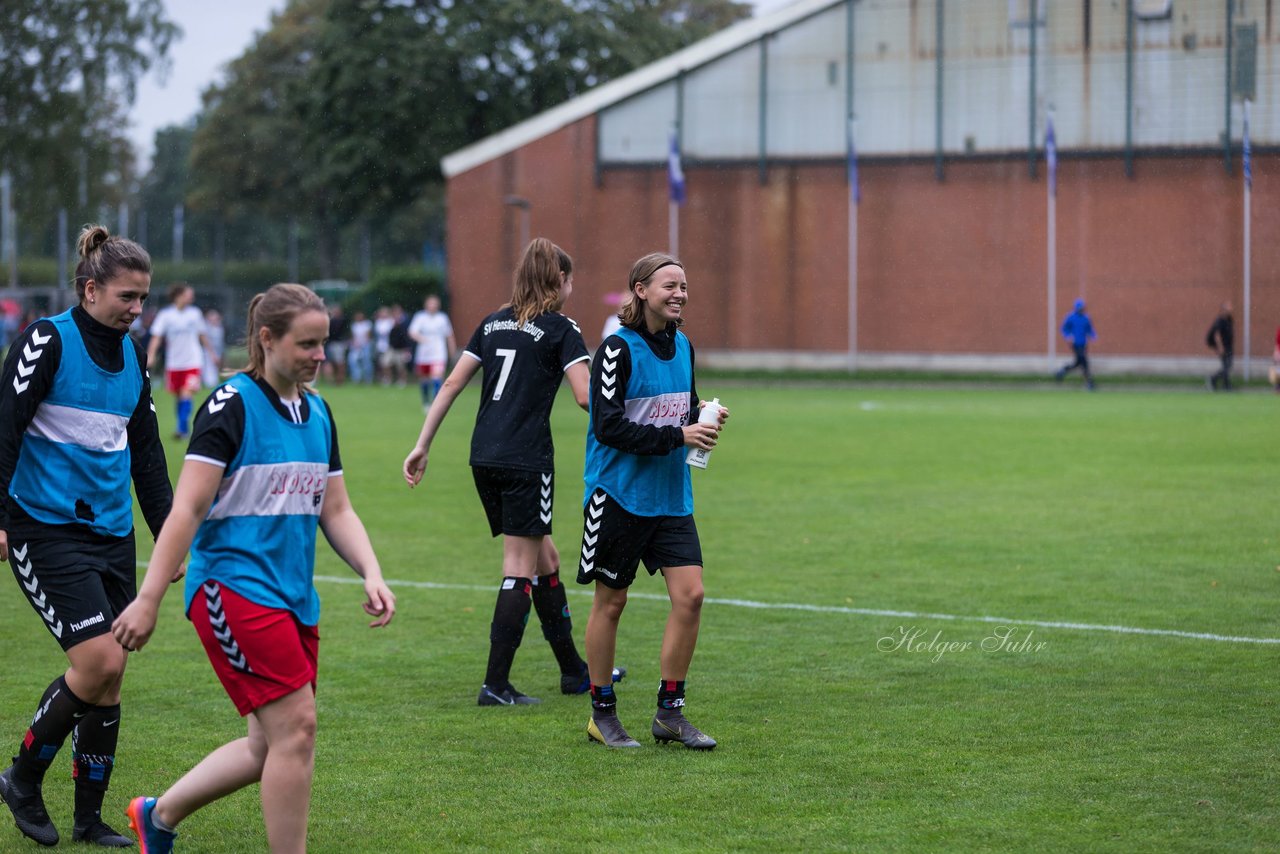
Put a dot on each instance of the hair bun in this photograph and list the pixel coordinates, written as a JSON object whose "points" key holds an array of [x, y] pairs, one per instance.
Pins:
{"points": [[92, 237]]}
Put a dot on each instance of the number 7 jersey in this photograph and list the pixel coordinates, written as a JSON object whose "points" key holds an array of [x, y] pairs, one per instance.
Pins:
{"points": [[523, 366]]}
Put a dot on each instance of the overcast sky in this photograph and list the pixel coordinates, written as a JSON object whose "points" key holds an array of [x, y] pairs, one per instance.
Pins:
{"points": [[214, 33]]}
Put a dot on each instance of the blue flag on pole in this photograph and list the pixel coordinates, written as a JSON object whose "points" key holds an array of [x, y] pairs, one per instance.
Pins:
{"points": [[1051, 154], [1248, 159], [675, 174], [855, 192]]}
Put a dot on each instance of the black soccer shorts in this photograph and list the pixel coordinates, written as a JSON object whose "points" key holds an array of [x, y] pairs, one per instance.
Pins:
{"points": [[517, 503], [77, 588], [615, 541]]}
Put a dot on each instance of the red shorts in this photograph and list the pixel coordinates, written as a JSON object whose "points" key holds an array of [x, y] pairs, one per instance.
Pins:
{"points": [[430, 369], [260, 654], [179, 381]]}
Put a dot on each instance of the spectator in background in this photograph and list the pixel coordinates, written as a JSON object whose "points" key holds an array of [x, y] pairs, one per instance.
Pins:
{"points": [[180, 327], [1221, 338], [360, 353], [10, 314], [1078, 329], [401, 346], [335, 349], [383, 323], [1274, 373], [433, 333], [140, 329], [612, 323], [217, 335]]}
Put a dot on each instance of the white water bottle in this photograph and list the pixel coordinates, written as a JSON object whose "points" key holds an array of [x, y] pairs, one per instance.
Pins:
{"points": [[710, 414]]}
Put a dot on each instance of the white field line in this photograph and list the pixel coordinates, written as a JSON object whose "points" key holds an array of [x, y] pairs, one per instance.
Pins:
{"points": [[865, 612]]}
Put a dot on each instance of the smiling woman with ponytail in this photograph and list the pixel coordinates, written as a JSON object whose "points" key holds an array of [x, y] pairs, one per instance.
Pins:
{"points": [[250, 591]]}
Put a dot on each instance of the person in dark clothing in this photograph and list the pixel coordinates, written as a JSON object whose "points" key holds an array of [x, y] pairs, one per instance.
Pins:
{"points": [[1222, 340], [525, 350], [335, 349], [77, 424], [1078, 329]]}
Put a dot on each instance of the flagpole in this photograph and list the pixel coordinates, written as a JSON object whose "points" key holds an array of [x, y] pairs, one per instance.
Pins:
{"points": [[675, 192], [853, 284], [673, 229], [1051, 155], [1248, 200], [853, 198]]}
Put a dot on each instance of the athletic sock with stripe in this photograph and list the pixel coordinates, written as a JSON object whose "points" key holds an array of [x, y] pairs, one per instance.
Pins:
{"points": [[58, 713], [93, 755], [603, 701], [670, 696]]}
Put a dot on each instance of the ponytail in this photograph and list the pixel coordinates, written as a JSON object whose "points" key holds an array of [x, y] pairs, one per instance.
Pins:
{"points": [[274, 310], [538, 280]]}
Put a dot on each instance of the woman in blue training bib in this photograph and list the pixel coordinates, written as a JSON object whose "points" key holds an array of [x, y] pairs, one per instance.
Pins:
{"points": [[77, 424], [638, 503], [262, 472]]}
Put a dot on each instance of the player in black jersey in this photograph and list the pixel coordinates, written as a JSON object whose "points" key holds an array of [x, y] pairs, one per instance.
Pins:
{"points": [[525, 348]]}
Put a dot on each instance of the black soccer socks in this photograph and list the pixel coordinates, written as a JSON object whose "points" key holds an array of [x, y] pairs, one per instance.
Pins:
{"points": [[510, 614], [603, 700], [93, 755], [670, 694], [552, 605], [58, 713]]}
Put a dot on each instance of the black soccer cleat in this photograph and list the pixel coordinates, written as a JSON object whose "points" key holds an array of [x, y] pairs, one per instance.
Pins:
{"points": [[98, 832], [581, 683], [507, 696], [672, 726], [27, 805], [607, 730]]}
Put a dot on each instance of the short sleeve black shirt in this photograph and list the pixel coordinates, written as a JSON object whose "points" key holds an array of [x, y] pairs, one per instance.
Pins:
{"points": [[523, 367], [218, 430]]}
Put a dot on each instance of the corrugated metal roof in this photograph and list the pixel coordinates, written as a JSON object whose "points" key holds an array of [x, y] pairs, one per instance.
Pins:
{"points": [[700, 53]]}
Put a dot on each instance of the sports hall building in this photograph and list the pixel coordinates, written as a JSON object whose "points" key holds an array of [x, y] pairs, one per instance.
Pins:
{"points": [[956, 254]]}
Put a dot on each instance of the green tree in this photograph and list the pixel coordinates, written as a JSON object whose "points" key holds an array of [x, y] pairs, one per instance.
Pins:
{"points": [[68, 74], [344, 108]]}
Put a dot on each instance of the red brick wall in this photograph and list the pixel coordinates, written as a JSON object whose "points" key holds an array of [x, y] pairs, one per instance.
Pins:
{"points": [[957, 266]]}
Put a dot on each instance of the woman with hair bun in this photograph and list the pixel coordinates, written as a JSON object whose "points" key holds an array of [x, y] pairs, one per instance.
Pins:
{"points": [[76, 426], [526, 348], [262, 472]]}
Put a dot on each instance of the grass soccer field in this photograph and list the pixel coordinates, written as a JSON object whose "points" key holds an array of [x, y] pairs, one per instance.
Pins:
{"points": [[1011, 619]]}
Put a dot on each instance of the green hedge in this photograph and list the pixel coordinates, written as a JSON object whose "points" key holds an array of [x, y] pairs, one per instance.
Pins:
{"points": [[408, 286]]}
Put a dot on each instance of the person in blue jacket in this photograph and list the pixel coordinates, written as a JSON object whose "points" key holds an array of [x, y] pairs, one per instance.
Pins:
{"points": [[1078, 329], [77, 424], [638, 503]]}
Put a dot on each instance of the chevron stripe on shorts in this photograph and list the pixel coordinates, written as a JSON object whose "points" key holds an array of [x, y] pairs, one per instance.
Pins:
{"points": [[222, 631]]}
